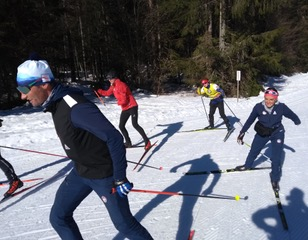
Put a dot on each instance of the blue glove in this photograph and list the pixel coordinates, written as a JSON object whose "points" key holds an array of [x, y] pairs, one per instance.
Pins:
{"points": [[123, 187]]}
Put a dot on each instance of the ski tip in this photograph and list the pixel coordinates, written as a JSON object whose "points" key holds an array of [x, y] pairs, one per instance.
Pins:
{"points": [[4, 199]]}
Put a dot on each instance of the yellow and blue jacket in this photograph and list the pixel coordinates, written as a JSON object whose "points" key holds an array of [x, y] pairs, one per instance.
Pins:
{"points": [[213, 91]]}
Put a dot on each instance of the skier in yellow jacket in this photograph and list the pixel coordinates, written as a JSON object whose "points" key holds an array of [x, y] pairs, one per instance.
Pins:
{"points": [[216, 94]]}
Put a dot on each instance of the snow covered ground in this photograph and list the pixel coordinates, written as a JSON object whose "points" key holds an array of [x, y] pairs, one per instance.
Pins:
{"points": [[168, 217]]}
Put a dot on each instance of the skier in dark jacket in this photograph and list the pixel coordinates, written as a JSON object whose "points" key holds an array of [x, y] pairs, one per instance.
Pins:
{"points": [[10, 174], [93, 144], [268, 128]]}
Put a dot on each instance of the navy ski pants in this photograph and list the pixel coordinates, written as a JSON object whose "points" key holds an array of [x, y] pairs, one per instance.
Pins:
{"points": [[277, 143], [71, 193]]}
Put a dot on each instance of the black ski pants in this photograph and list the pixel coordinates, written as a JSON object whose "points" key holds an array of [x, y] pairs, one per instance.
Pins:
{"points": [[133, 113], [220, 106], [8, 169]]}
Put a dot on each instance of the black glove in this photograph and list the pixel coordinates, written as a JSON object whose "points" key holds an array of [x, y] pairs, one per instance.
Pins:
{"points": [[298, 122], [1, 122], [122, 187], [95, 86], [240, 138]]}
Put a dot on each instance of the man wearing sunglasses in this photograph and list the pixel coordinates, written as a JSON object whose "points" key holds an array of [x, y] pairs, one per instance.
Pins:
{"points": [[269, 113], [94, 145]]}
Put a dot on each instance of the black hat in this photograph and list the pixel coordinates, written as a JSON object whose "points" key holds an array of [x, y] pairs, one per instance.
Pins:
{"points": [[111, 75]]}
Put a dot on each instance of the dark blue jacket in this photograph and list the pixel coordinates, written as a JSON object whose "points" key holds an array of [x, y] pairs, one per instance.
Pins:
{"points": [[88, 138], [270, 120]]}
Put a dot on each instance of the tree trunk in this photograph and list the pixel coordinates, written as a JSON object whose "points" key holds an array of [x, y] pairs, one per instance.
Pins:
{"points": [[222, 25], [83, 49]]}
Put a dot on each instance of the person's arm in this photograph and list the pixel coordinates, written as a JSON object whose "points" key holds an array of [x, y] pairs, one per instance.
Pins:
{"points": [[252, 117], [105, 92], [288, 113], [250, 120], [122, 94], [88, 117], [219, 91], [202, 91]]}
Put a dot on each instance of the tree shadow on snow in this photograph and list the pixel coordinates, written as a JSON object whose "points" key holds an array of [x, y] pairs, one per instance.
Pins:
{"points": [[188, 185], [296, 213], [276, 82]]}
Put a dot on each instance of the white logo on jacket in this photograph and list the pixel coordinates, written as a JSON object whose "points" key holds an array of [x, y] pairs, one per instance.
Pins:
{"points": [[66, 147], [104, 199]]}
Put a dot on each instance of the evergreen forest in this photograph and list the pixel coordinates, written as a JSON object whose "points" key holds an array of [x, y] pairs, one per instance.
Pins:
{"points": [[155, 44]]}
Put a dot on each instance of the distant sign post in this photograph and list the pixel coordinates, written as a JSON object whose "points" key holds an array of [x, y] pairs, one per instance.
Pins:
{"points": [[238, 79]]}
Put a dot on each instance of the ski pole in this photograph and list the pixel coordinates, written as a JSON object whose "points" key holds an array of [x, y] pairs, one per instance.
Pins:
{"points": [[207, 116], [99, 97], [239, 122], [32, 151], [236, 197], [57, 155]]}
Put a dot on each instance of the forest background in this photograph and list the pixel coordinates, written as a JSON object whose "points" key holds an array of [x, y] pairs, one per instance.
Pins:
{"points": [[155, 44]]}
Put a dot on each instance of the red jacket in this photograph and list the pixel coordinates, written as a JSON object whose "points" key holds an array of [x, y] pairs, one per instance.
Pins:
{"points": [[122, 93]]}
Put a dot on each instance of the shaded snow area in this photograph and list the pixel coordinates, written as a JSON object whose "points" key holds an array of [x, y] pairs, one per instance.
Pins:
{"points": [[164, 118]]}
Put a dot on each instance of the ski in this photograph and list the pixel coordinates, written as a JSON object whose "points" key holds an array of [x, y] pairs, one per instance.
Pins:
{"points": [[280, 210], [191, 234], [202, 129], [218, 171], [143, 155], [21, 191], [23, 180], [228, 134]]}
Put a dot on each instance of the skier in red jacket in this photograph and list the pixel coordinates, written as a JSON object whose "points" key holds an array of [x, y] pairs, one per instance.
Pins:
{"points": [[129, 107]]}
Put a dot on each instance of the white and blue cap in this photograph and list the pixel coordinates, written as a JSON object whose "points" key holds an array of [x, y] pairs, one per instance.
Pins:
{"points": [[34, 72]]}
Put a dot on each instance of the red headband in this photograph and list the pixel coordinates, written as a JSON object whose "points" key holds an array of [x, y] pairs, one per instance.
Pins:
{"points": [[271, 93]]}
